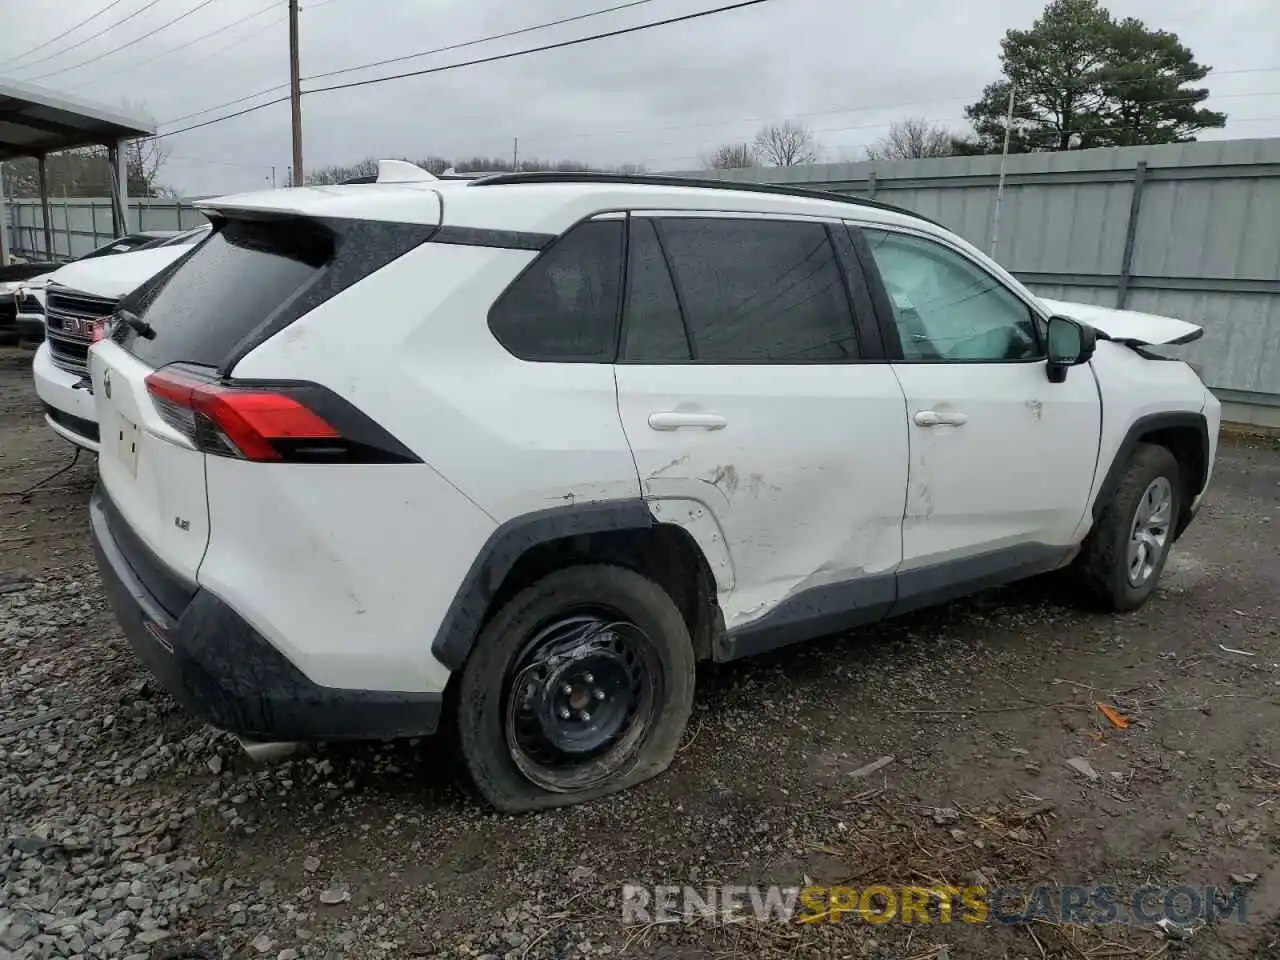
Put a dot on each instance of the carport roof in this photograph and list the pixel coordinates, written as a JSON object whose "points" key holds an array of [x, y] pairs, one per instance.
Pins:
{"points": [[35, 121]]}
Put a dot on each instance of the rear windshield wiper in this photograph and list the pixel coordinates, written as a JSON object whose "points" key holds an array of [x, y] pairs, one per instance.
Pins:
{"points": [[139, 326]]}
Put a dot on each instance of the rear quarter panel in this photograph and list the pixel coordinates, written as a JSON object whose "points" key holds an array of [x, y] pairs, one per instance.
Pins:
{"points": [[368, 558]]}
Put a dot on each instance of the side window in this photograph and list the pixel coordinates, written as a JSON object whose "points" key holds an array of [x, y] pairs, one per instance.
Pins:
{"points": [[653, 327], [948, 308], [565, 306], [751, 291]]}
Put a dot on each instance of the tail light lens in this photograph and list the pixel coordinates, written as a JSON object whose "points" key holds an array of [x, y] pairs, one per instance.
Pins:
{"points": [[269, 421]]}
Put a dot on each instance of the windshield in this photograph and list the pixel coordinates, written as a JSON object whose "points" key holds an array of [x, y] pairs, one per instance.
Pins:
{"points": [[187, 236]]}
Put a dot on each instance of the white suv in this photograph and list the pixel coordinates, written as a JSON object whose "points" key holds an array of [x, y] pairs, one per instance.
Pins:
{"points": [[515, 454]]}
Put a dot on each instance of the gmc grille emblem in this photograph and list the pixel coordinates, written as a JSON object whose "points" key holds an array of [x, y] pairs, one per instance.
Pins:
{"points": [[78, 326]]}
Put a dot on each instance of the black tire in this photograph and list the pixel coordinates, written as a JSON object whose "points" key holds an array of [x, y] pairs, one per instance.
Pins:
{"points": [[485, 691], [1103, 565]]}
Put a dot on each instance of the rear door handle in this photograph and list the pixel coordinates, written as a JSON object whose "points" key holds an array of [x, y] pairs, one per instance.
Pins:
{"points": [[675, 419], [935, 418]]}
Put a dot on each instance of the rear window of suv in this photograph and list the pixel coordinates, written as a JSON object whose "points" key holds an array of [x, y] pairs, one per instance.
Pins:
{"points": [[223, 290]]}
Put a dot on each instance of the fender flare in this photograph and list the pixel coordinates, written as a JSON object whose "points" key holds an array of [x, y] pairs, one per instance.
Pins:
{"points": [[462, 621], [1133, 436]]}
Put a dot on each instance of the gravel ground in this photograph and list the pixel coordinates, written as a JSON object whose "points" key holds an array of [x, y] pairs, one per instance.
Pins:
{"points": [[129, 831]]}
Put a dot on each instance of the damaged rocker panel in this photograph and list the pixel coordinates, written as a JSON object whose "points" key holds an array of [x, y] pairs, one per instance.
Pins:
{"points": [[833, 607]]}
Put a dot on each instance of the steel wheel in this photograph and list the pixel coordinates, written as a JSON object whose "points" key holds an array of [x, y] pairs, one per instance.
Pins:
{"points": [[1149, 533], [581, 700]]}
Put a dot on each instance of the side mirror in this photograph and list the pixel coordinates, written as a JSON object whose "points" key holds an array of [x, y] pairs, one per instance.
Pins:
{"points": [[1070, 343]]}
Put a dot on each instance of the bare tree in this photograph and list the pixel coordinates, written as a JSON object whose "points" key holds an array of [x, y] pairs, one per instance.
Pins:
{"points": [[731, 156], [143, 159], [911, 139], [786, 144], [368, 167]]}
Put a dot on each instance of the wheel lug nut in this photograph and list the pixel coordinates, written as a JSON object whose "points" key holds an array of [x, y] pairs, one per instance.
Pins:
{"points": [[566, 689], [588, 678], [598, 693], [564, 713], [586, 717]]}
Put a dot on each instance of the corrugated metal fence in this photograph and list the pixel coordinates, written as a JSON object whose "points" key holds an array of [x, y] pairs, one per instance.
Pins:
{"points": [[1189, 230], [81, 224]]}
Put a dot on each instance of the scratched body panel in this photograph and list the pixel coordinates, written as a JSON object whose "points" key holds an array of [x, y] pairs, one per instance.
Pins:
{"points": [[806, 478], [1017, 470]]}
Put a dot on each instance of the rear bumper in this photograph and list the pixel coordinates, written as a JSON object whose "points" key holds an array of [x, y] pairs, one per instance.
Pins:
{"points": [[222, 670]]}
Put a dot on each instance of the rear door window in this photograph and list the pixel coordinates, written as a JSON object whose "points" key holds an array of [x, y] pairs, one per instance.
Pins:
{"points": [[226, 288], [654, 327], [750, 291]]}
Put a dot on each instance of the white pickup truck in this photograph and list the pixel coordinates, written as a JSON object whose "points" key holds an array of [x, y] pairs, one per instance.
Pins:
{"points": [[77, 299]]}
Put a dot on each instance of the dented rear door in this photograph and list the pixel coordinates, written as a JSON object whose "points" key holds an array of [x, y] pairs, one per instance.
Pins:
{"points": [[754, 416]]}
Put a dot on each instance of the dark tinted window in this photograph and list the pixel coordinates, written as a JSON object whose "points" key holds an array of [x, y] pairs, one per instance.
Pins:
{"points": [[565, 307], [762, 291], [225, 288], [654, 332]]}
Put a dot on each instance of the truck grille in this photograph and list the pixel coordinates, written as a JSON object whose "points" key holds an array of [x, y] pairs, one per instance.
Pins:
{"points": [[70, 317]]}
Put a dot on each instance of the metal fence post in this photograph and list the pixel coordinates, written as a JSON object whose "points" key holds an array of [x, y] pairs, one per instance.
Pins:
{"points": [[66, 222], [93, 220], [1131, 233], [871, 185]]}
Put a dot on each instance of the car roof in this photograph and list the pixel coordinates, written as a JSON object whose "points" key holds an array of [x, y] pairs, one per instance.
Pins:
{"points": [[551, 202]]}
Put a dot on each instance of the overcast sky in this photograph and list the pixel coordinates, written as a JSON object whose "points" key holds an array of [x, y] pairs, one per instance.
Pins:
{"points": [[663, 98]]}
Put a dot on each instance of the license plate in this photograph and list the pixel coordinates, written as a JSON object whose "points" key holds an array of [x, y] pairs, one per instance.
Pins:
{"points": [[127, 444]]}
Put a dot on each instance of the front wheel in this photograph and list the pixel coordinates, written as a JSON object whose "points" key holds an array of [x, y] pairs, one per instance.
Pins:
{"points": [[1127, 549], [580, 686]]}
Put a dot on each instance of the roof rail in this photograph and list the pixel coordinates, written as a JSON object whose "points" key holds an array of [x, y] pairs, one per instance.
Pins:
{"points": [[663, 180]]}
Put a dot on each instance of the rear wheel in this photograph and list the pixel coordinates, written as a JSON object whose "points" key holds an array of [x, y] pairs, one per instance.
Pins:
{"points": [[1126, 552], [580, 686]]}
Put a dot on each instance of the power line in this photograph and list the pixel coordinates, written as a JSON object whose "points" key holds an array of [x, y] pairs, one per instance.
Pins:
{"points": [[741, 4], [150, 33], [472, 43], [229, 116], [236, 43], [424, 53], [219, 163], [194, 40], [229, 103], [40, 46], [470, 63], [81, 43]]}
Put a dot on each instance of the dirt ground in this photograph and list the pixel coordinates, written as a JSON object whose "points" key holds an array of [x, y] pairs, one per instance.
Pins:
{"points": [[128, 830]]}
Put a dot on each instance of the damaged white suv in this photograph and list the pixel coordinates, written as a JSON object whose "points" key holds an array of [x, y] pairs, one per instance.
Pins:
{"points": [[515, 454]]}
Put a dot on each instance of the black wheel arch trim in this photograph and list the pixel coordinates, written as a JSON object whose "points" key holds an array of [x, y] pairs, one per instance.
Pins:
{"points": [[508, 543], [1143, 427]]}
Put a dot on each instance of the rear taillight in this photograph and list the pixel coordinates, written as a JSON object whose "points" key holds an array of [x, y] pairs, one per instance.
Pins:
{"points": [[269, 421]]}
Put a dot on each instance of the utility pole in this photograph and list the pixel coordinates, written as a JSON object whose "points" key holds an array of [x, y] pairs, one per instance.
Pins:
{"points": [[295, 93], [273, 176], [515, 154], [1004, 162]]}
